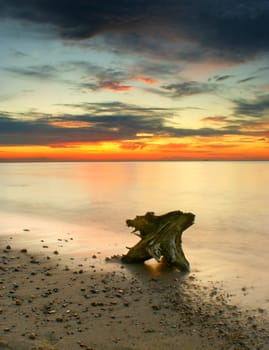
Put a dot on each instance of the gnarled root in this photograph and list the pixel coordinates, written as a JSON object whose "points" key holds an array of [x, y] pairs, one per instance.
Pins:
{"points": [[161, 236]]}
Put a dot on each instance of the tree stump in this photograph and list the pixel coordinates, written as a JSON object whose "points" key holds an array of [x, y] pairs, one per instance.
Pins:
{"points": [[161, 236]]}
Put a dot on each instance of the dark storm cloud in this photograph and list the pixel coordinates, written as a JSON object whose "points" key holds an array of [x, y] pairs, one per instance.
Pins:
{"points": [[81, 128], [235, 29], [157, 45], [255, 108], [53, 130]]}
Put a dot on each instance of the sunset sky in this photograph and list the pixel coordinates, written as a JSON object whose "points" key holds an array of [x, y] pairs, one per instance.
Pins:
{"points": [[134, 80]]}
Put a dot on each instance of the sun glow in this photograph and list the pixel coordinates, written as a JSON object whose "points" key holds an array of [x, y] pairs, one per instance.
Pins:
{"points": [[196, 148]]}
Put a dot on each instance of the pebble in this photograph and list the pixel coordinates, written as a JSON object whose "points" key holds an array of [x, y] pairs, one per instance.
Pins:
{"points": [[32, 336]]}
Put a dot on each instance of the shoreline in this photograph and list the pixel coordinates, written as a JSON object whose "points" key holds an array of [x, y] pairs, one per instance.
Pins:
{"points": [[55, 301]]}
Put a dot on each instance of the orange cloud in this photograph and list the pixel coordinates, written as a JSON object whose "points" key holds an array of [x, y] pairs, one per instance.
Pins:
{"points": [[115, 86], [146, 80], [70, 124]]}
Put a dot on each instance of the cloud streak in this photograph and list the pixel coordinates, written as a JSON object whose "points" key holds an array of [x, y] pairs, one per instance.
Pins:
{"points": [[254, 109], [188, 88], [109, 122], [37, 72]]}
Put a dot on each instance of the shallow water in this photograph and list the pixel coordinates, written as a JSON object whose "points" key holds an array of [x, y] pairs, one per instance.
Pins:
{"points": [[91, 201]]}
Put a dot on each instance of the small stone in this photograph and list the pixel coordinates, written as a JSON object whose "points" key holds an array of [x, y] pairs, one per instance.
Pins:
{"points": [[156, 307], [23, 250], [32, 336], [34, 261], [261, 310], [56, 252], [8, 247], [52, 312]]}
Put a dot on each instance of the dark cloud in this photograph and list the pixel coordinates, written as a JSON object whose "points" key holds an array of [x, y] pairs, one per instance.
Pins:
{"points": [[61, 129], [254, 109], [121, 109], [188, 88], [156, 45], [223, 28], [245, 80], [98, 78], [117, 121], [102, 73], [107, 85], [219, 78]]}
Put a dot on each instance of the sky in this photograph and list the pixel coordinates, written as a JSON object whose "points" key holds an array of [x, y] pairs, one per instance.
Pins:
{"points": [[134, 80]]}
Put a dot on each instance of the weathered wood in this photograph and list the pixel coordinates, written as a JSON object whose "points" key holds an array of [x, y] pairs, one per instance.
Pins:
{"points": [[161, 236]]}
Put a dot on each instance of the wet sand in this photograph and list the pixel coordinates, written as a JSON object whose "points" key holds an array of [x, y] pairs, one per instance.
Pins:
{"points": [[52, 300]]}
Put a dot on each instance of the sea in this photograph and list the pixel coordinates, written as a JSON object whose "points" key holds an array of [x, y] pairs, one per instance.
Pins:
{"points": [[90, 201]]}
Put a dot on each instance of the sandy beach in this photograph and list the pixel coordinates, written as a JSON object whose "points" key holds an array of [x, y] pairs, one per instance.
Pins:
{"points": [[51, 300]]}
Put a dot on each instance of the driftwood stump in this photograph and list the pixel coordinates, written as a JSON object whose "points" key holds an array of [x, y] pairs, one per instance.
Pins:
{"points": [[160, 237]]}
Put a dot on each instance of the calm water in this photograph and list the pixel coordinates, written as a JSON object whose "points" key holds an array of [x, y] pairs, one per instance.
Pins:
{"points": [[229, 241]]}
